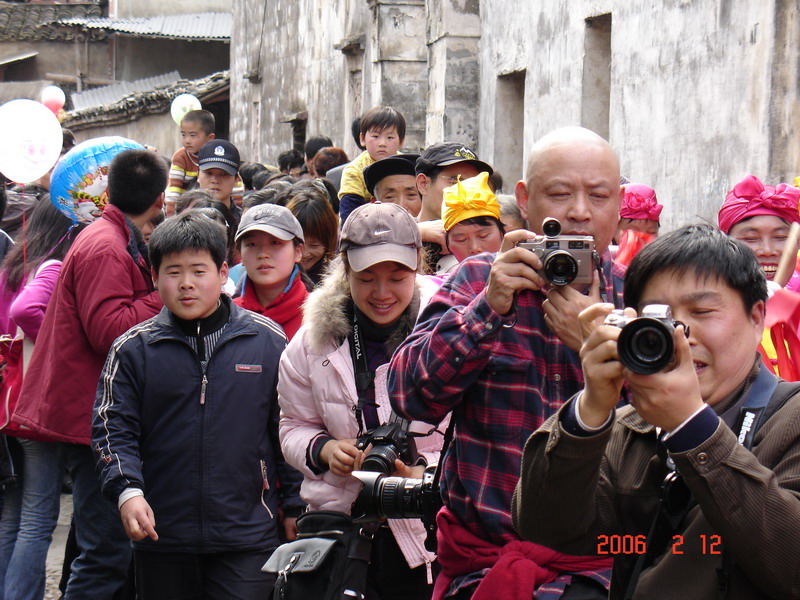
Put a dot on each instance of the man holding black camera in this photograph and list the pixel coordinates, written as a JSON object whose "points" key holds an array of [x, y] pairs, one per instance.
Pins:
{"points": [[695, 488], [497, 346]]}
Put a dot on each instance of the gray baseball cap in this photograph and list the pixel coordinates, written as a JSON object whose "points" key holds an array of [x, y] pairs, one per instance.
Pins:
{"points": [[380, 232], [273, 219]]}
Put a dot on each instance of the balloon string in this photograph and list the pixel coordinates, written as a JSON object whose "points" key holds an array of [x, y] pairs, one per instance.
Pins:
{"points": [[63, 237], [24, 233]]}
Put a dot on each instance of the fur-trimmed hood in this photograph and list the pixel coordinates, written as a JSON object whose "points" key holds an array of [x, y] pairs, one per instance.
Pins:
{"points": [[326, 319]]}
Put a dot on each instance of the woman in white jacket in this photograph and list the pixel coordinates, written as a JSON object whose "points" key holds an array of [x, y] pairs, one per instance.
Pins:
{"points": [[368, 302]]}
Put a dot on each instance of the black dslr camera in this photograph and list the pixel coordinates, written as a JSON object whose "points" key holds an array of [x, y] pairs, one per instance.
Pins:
{"points": [[389, 442], [565, 258], [645, 343], [399, 498]]}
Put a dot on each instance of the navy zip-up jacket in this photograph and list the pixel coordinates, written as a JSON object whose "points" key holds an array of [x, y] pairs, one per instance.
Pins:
{"points": [[202, 444]]}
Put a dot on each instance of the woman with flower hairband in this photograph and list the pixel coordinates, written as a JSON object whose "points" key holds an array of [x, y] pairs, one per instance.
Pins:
{"points": [[761, 216], [639, 221]]}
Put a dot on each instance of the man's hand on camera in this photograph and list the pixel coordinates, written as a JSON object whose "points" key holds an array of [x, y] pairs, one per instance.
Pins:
{"points": [[514, 269], [602, 371], [403, 470], [668, 398], [340, 456], [562, 307]]}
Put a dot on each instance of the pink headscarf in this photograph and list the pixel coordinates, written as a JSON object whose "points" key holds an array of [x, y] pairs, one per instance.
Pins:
{"points": [[750, 197], [640, 202]]}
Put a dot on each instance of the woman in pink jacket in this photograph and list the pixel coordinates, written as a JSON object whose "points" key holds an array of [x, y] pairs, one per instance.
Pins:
{"points": [[368, 302], [30, 507]]}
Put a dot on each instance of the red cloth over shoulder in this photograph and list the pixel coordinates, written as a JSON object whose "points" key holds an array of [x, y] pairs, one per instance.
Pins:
{"points": [[516, 569]]}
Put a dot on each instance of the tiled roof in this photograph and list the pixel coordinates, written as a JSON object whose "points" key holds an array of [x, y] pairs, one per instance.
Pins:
{"points": [[196, 26], [108, 94], [34, 22], [152, 101]]}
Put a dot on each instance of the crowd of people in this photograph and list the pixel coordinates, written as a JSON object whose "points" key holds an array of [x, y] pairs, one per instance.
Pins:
{"points": [[205, 359]]}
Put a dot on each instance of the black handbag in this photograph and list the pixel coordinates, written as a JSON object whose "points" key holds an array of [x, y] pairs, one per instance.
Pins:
{"points": [[328, 561]]}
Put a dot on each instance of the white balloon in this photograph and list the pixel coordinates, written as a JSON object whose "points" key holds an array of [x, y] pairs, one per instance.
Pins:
{"points": [[182, 104], [31, 140]]}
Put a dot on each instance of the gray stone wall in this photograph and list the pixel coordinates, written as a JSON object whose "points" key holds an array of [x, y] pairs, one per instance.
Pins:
{"points": [[61, 58], [701, 93], [140, 57], [285, 61], [327, 62], [454, 37], [159, 131], [692, 93]]}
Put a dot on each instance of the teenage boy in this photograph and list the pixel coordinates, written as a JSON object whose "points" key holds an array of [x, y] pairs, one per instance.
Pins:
{"points": [[103, 290], [270, 241], [218, 163], [383, 132], [186, 428], [716, 478], [197, 128]]}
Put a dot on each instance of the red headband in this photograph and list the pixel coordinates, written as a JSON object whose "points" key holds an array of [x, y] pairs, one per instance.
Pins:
{"points": [[750, 197], [640, 202]]}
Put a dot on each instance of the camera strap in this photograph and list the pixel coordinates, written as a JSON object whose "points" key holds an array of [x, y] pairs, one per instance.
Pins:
{"points": [[598, 266], [364, 375], [670, 514], [750, 418]]}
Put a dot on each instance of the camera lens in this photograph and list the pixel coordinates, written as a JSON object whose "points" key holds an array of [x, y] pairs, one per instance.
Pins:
{"points": [[645, 346], [387, 497], [559, 267], [380, 459]]}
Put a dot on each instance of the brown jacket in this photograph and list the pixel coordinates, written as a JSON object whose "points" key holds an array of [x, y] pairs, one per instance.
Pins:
{"points": [[575, 493]]}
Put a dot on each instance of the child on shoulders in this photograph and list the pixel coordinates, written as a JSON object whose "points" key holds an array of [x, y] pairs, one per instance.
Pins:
{"points": [[197, 128], [383, 132]]}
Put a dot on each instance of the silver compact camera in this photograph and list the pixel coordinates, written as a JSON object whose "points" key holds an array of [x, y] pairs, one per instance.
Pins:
{"points": [[565, 259], [645, 344]]}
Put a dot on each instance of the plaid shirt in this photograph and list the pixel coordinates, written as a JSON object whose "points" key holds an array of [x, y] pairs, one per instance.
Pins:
{"points": [[502, 376]]}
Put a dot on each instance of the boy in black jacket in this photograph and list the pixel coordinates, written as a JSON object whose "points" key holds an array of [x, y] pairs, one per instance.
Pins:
{"points": [[186, 428]]}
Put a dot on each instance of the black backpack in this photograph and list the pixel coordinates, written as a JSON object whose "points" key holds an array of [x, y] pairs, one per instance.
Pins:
{"points": [[328, 561]]}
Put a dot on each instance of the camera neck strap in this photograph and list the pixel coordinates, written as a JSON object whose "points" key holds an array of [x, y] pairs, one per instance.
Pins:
{"points": [[670, 514], [363, 374]]}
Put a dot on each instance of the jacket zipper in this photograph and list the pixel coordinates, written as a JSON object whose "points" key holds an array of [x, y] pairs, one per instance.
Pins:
{"points": [[201, 505], [203, 386], [204, 369]]}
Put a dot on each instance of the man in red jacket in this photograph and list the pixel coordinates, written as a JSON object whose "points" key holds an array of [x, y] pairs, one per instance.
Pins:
{"points": [[103, 290]]}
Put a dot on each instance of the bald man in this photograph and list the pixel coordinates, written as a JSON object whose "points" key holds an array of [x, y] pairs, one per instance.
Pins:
{"points": [[496, 345]]}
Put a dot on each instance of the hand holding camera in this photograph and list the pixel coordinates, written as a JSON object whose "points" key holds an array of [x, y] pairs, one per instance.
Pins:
{"points": [[340, 456], [530, 261], [651, 352]]}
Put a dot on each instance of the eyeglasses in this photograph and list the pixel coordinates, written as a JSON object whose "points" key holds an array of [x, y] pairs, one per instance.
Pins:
{"points": [[452, 180]]}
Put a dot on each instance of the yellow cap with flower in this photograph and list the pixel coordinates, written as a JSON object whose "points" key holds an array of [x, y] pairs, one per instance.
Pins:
{"points": [[467, 199]]}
